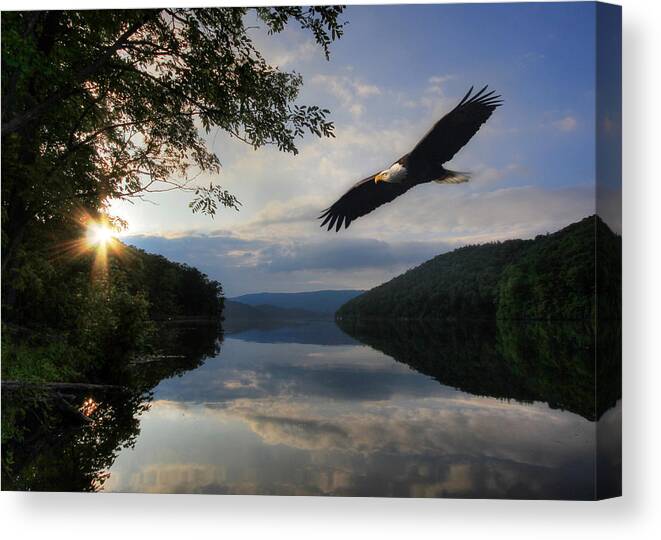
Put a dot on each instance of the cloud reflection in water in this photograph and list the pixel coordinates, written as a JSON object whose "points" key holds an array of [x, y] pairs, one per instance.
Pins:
{"points": [[303, 419]]}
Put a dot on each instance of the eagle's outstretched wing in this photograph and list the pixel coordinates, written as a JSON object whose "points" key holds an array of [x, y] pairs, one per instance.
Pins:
{"points": [[455, 129], [442, 142], [361, 199]]}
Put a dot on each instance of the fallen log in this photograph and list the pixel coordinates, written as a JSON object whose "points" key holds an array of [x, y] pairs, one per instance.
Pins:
{"points": [[73, 411], [155, 358], [59, 394], [58, 386]]}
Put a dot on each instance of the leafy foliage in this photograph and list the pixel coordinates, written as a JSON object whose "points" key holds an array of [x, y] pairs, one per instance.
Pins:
{"points": [[106, 105], [553, 276], [206, 200], [177, 290], [459, 284], [113, 104], [69, 323]]}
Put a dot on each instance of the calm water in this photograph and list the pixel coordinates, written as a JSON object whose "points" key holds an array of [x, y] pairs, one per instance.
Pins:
{"points": [[312, 409]]}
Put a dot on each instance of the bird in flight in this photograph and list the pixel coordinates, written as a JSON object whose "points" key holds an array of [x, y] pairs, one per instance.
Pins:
{"points": [[421, 165]]}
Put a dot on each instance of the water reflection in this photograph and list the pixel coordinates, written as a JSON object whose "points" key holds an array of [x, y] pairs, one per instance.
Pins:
{"points": [[440, 447], [49, 451], [303, 418], [387, 410], [47, 448], [536, 361], [318, 332]]}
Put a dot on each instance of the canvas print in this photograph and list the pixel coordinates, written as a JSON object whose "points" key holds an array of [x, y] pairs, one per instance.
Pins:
{"points": [[313, 250]]}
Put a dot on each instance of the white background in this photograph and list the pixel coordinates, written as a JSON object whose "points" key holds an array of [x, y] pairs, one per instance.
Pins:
{"points": [[636, 515]]}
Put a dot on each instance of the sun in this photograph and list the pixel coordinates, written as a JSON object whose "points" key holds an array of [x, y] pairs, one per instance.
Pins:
{"points": [[99, 234], [100, 238]]}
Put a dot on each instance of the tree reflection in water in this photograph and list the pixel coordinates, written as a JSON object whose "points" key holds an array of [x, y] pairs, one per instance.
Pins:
{"points": [[545, 362], [570, 365], [553, 362], [47, 449]]}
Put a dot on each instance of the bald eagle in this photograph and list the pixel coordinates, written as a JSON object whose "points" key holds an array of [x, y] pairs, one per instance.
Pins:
{"points": [[421, 165]]}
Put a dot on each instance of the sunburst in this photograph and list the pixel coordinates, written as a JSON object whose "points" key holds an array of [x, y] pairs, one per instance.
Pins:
{"points": [[99, 234]]}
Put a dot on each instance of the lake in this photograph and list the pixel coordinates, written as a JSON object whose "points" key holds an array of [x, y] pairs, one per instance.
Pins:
{"points": [[374, 409]]}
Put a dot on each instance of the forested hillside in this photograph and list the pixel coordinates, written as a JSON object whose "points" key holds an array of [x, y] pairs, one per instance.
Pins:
{"points": [[107, 106], [71, 320], [176, 290], [549, 277]]}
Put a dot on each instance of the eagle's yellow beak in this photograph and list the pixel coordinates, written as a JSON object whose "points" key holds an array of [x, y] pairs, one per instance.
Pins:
{"points": [[379, 178]]}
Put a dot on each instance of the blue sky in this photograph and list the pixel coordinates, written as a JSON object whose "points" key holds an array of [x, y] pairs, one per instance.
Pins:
{"points": [[395, 72]]}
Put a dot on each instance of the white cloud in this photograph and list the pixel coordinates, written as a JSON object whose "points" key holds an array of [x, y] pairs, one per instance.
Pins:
{"points": [[433, 98], [356, 109], [351, 91], [529, 58], [567, 123], [440, 79], [283, 57], [437, 83], [437, 427], [283, 248], [364, 90], [458, 215], [275, 242], [488, 176], [437, 446]]}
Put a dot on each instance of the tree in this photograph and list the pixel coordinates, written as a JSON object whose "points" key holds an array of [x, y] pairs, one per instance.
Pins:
{"points": [[102, 105]]}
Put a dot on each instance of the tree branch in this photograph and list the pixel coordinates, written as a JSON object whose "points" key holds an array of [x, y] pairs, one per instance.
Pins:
{"points": [[19, 121]]}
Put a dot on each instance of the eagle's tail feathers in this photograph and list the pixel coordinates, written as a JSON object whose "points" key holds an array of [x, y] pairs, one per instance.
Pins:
{"points": [[453, 177]]}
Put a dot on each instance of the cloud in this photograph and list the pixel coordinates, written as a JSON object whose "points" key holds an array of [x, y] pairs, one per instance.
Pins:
{"points": [[364, 90], [566, 124], [609, 206], [350, 91], [436, 446], [488, 176], [248, 265], [436, 84], [304, 208], [299, 432], [278, 55], [283, 249], [352, 253], [464, 214], [432, 98], [455, 425], [275, 243]]}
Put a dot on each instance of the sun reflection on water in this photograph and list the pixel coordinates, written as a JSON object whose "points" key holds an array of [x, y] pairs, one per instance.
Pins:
{"points": [[89, 406]]}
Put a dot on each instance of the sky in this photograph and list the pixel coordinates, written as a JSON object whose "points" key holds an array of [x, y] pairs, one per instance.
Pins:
{"points": [[396, 71]]}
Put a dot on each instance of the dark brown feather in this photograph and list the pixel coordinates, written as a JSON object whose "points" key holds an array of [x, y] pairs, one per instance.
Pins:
{"points": [[423, 163], [361, 199], [453, 131]]}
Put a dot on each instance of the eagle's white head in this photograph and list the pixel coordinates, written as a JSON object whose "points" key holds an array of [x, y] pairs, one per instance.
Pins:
{"points": [[395, 174]]}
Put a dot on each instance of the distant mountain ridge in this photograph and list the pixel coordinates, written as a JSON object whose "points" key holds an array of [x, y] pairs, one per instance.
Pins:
{"points": [[325, 301], [239, 311], [572, 274]]}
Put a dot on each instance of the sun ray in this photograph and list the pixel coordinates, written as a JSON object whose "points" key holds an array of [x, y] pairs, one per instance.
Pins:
{"points": [[99, 234]]}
